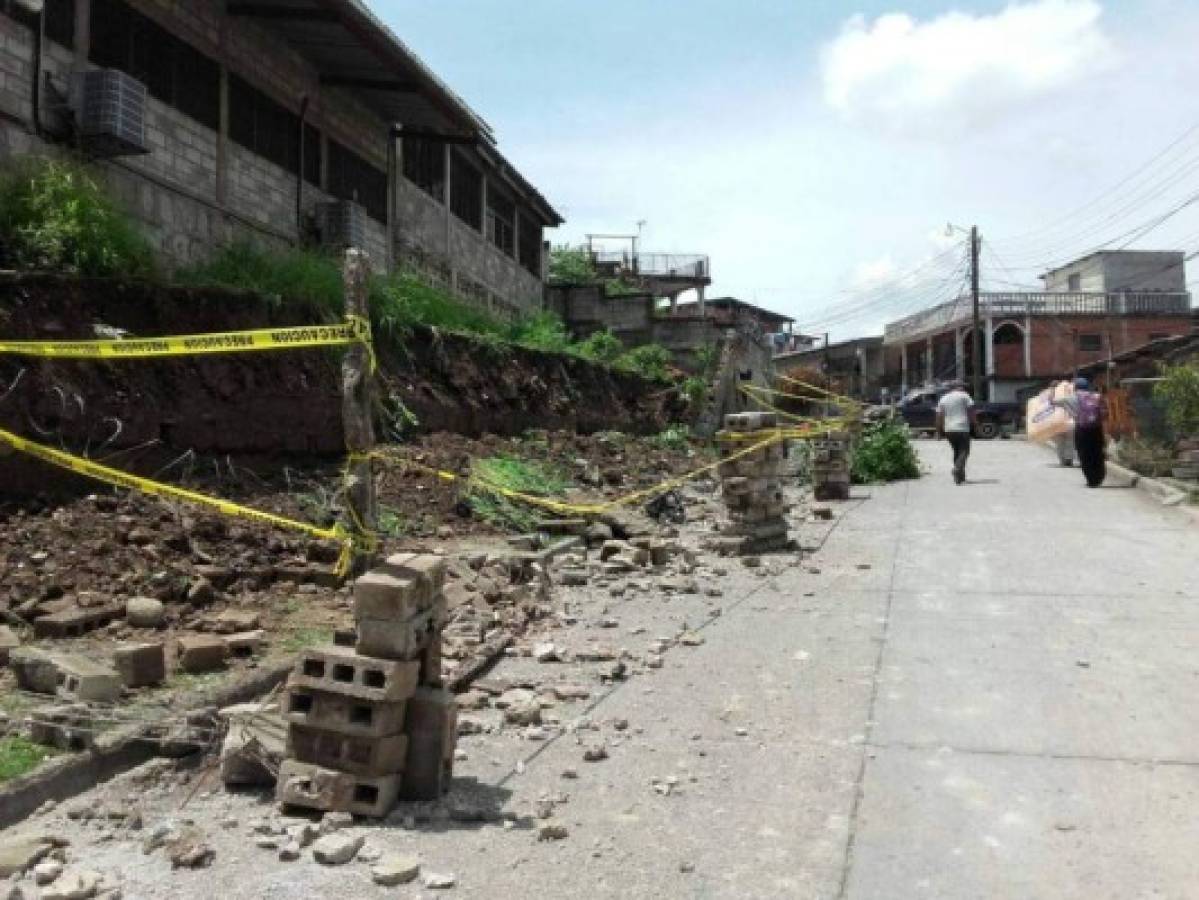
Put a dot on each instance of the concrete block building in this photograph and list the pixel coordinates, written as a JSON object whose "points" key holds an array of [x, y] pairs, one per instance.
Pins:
{"points": [[259, 114], [1091, 309]]}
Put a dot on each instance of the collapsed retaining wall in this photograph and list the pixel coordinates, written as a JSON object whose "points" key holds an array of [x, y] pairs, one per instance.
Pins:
{"points": [[269, 403]]}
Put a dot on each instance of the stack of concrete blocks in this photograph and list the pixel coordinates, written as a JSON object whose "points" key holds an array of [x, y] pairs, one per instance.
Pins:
{"points": [[374, 723], [752, 485], [830, 466]]}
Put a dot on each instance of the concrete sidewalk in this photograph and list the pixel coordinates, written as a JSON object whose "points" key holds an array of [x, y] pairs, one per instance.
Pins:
{"points": [[1034, 730]]}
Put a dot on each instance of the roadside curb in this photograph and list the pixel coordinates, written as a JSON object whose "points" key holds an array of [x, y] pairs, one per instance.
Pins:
{"points": [[1163, 493], [117, 752]]}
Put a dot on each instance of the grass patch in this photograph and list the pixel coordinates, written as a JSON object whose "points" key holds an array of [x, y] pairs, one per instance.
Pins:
{"points": [[19, 755], [293, 276], [302, 638], [513, 474]]}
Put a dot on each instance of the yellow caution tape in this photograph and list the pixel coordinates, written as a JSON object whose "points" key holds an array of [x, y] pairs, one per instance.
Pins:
{"points": [[561, 506], [116, 477], [355, 330], [819, 390]]}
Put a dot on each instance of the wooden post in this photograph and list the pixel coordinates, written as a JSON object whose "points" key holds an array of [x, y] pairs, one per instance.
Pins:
{"points": [[357, 404]]}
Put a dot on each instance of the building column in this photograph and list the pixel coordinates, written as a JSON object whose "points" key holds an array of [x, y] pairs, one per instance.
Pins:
{"points": [[83, 32], [959, 355], [395, 157], [903, 369], [1028, 346], [929, 360], [989, 350], [702, 303]]}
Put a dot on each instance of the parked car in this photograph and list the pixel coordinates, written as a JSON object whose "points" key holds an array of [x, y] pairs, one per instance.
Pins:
{"points": [[918, 409]]}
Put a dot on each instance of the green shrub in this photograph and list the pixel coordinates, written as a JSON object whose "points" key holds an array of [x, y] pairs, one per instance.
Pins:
{"points": [[695, 389], [285, 275], [676, 437], [18, 756], [619, 287], [55, 217], [603, 347], [542, 331], [884, 453], [649, 361], [399, 301], [1178, 392], [571, 265]]}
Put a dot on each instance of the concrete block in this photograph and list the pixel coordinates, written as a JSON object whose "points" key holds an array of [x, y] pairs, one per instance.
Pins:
{"points": [[200, 653], [81, 679], [314, 787], [432, 729], [347, 753], [400, 638], [68, 728], [77, 621], [245, 643], [8, 643], [34, 669], [347, 715], [343, 671], [381, 595], [141, 665]]}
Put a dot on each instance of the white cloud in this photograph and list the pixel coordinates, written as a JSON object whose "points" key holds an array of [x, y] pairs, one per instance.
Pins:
{"points": [[873, 273], [957, 67]]}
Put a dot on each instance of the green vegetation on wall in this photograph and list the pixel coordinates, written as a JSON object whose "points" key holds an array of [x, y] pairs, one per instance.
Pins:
{"points": [[55, 216]]}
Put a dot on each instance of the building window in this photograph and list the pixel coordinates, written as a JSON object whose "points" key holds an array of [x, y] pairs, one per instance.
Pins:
{"points": [[501, 221], [424, 165], [60, 19], [353, 178], [1074, 282], [171, 69], [466, 192], [269, 129], [529, 237], [1090, 343]]}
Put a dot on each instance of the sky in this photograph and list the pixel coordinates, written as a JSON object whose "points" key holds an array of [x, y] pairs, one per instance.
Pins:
{"points": [[826, 155]]}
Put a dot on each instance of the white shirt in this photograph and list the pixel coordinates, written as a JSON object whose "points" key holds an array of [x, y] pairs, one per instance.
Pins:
{"points": [[956, 407]]}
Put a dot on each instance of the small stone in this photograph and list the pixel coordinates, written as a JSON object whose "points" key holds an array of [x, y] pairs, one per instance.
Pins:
{"points": [[201, 592], [524, 712], [552, 831], [305, 834], [691, 639], [45, 872], [267, 843], [332, 821], [740, 732], [290, 851], [570, 774], [653, 661], [395, 869], [437, 881], [620, 724], [79, 885], [337, 849], [686, 868], [546, 653], [595, 753], [188, 851], [751, 562]]}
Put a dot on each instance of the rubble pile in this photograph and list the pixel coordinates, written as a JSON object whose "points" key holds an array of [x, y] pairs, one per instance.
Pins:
{"points": [[830, 466], [752, 487], [373, 723]]}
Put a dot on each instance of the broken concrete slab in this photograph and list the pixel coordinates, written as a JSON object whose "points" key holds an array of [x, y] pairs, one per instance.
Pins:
{"points": [[200, 653], [313, 787], [254, 745], [141, 665]]}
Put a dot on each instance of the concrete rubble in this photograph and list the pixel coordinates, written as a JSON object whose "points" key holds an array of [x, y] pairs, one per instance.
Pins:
{"points": [[830, 466]]}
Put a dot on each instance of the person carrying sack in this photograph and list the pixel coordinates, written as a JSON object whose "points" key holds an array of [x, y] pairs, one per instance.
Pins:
{"points": [[1086, 408]]}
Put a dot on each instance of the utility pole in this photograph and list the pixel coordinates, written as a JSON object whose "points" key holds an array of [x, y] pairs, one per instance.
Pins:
{"points": [[979, 353]]}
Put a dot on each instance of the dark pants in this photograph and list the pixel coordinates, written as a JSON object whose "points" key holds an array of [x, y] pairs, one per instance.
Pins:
{"points": [[1088, 444], [960, 442]]}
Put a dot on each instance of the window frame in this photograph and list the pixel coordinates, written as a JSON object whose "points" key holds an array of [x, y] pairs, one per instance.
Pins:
{"points": [[1085, 338]]}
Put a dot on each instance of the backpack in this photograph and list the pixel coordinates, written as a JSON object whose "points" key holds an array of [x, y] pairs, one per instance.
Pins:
{"points": [[1090, 410]]}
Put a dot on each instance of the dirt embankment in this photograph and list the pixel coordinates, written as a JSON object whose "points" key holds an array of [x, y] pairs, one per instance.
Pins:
{"points": [[148, 412]]}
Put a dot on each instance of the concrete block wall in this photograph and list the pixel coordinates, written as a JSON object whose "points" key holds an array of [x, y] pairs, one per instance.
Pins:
{"points": [[188, 208]]}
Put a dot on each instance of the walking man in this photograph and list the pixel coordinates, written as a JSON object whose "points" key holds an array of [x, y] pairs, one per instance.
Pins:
{"points": [[953, 424]]}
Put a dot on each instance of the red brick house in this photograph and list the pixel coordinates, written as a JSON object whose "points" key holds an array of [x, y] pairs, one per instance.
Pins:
{"points": [[1029, 338]]}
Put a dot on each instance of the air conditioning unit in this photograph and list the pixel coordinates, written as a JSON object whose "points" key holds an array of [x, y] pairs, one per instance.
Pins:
{"points": [[110, 112], [341, 224]]}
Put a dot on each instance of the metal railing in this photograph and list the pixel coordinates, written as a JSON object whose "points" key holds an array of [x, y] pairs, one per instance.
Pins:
{"points": [[661, 265], [1040, 304]]}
